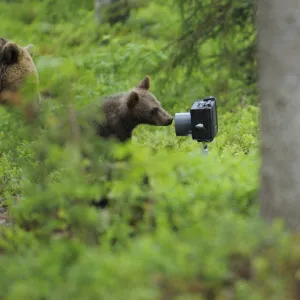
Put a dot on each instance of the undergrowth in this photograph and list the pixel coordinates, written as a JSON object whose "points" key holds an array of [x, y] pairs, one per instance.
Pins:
{"points": [[151, 219]]}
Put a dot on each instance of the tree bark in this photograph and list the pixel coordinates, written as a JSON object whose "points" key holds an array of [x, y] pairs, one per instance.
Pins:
{"points": [[279, 84]]}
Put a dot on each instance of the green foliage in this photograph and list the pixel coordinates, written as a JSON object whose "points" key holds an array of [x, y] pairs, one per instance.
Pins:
{"points": [[219, 35], [177, 225]]}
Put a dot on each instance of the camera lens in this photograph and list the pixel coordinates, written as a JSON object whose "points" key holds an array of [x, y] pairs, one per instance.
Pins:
{"points": [[182, 124]]}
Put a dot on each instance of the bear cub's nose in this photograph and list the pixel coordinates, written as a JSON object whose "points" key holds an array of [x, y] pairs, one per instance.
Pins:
{"points": [[170, 120]]}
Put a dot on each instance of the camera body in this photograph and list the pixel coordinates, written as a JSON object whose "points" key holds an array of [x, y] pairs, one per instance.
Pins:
{"points": [[201, 122]]}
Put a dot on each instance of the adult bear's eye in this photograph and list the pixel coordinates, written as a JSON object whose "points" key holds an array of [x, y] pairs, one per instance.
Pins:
{"points": [[154, 111]]}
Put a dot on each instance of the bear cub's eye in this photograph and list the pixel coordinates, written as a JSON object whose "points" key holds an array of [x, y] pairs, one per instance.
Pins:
{"points": [[154, 111]]}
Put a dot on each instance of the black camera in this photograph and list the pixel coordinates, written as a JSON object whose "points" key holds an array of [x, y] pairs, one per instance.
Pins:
{"points": [[201, 122]]}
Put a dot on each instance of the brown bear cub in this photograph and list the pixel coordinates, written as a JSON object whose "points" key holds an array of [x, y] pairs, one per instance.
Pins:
{"points": [[124, 111], [16, 66]]}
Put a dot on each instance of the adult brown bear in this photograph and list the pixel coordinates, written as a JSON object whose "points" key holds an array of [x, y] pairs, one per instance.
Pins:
{"points": [[16, 67]]}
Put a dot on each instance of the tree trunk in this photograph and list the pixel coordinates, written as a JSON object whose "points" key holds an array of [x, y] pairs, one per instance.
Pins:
{"points": [[98, 5], [254, 8], [279, 84]]}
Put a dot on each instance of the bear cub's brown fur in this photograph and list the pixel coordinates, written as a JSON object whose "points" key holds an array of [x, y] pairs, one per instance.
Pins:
{"points": [[124, 111]]}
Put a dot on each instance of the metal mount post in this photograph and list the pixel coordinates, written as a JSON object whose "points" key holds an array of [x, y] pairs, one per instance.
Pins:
{"points": [[205, 149]]}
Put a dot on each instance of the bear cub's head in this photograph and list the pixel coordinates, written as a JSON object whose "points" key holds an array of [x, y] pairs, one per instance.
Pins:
{"points": [[145, 108]]}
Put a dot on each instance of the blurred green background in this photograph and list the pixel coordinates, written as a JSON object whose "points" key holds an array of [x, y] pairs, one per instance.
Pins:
{"points": [[192, 231]]}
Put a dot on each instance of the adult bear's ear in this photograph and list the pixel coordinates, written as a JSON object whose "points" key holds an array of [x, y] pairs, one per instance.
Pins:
{"points": [[10, 53], [30, 49], [145, 83], [132, 99]]}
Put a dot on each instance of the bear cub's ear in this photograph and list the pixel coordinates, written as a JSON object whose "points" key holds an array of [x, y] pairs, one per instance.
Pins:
{"points": [[10, 53], [145, 83], [132, 99]]}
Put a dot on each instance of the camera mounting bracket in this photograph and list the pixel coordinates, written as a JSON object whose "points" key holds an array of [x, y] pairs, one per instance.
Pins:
{"points": [[205, 148]]}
